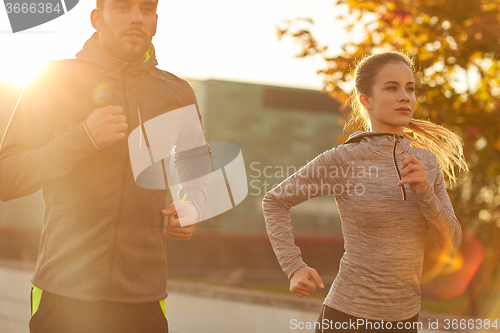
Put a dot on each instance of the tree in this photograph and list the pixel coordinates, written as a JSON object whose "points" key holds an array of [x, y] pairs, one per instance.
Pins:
{"points": [[454, 41]]}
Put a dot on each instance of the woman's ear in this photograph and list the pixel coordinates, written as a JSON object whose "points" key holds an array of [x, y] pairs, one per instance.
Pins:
{"points": [[365, 101]]}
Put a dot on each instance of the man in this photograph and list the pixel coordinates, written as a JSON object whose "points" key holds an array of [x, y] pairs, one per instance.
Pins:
{"points": [[102, 257]]}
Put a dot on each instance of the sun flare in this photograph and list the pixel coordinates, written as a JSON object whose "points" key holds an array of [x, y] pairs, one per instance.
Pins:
{"points": [[21, 75]]}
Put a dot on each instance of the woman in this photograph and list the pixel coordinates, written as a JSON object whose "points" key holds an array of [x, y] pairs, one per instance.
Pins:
{"points": [[389, 190]]}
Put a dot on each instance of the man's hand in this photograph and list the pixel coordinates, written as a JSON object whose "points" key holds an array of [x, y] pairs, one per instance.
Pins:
{"points": [[304, 280], [414, 173], [181, 211], [107, 125]]}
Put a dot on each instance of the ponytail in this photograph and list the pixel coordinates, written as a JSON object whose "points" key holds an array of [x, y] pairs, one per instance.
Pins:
{"points": [[446, 145]]}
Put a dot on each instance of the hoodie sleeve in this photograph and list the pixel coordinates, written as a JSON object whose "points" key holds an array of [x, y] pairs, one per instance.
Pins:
{"points": [[438, 211], [312, 180], [30, 155]]}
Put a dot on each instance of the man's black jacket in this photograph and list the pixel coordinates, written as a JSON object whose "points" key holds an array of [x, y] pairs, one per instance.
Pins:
{"points": [[102, 236]]}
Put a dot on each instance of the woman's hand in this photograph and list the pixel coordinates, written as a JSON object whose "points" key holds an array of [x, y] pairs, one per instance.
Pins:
{"points": [[304, 280], [414, 173]]}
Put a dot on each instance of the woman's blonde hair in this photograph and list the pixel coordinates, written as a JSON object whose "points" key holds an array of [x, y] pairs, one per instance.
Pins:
{"points": [[446, 145]]}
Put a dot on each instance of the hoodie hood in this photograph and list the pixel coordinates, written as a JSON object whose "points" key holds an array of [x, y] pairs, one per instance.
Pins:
{"points": [[114, 68], [378, 139]]}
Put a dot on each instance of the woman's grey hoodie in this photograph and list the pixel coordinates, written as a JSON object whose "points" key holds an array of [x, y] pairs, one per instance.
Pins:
{"points": [[384, 226]]}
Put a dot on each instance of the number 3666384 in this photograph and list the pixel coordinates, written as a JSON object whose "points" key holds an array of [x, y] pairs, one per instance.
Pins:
{"points": [[32, 8]]}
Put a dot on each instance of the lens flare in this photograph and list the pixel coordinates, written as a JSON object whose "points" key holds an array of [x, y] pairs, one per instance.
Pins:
{"points": [[101, 94], [445, 264], [448, 275]]}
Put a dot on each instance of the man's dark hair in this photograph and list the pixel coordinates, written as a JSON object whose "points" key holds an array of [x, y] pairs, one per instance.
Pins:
{"points": [[100, 4]]}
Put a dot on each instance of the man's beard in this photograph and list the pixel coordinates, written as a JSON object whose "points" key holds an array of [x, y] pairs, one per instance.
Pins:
{"points": [[117, 48]]}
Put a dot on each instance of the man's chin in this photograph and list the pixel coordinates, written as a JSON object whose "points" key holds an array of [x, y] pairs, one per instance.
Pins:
{"points": [[134, 55]]}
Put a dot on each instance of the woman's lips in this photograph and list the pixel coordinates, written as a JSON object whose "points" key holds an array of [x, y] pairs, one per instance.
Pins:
{"points": [[404, 110]]}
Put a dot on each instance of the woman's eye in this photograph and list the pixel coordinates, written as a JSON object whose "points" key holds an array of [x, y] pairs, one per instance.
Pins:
{"points": [[411, 89], [391, 88]]}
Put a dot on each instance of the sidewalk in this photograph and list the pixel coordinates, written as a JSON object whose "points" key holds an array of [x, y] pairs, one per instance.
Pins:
{"points": [[15, 287], [191, 308]]}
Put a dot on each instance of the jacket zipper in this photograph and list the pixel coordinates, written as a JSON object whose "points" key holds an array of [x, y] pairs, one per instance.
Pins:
{"points": [[396, 141], [122, 191]]}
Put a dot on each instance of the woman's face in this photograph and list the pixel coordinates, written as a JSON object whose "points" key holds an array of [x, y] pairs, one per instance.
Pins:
{"points": [[392, 101]]}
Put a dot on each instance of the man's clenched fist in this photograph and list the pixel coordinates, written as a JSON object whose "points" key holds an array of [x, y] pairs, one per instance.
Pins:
{"points": [[107, 125], [182, 216]]}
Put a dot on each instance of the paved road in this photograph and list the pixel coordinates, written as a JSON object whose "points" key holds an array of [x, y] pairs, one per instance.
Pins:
{"points": [[190, 308]]}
